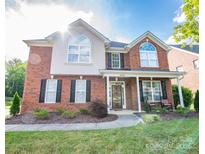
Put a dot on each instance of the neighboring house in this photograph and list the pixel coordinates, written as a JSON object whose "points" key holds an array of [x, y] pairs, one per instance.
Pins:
{"points": [[185, 59], [73, 68]]}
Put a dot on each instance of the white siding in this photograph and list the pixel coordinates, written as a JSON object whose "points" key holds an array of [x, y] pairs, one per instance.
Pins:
{"points": [[59, 64]]}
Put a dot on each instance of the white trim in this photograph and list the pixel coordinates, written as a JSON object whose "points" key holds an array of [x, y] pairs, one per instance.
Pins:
{"points": [[180, 92], [47, 89], [108, 96], [118, 62], [151, 81], [39, 42], [185, 51], [138, 95], [124, 105], [76, 91], [152, 37], [133, 73]]}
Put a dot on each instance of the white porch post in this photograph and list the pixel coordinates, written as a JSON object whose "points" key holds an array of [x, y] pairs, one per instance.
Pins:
{"points": [[180, 92], [108, 96], [138, 94]]}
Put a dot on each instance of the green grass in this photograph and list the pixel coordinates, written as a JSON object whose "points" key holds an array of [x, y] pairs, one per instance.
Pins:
{"points": [[176, 136], [150, 118]]}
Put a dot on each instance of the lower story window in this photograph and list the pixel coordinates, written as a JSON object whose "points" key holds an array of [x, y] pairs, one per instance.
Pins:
{"points": [[152, 90], [51, 88], [80, 92]]}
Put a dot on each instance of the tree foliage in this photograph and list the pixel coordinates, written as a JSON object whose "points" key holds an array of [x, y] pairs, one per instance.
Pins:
{"points": [[15, 76], [15, 107], [187, 96], [189, 29], [196, 101]]}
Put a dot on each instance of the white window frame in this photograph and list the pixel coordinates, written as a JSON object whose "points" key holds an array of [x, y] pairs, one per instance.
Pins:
{"points": [[149, 58], [195, 65], [152, 89], [115, 60], [77, 90], [79, 53], [53, 90]]}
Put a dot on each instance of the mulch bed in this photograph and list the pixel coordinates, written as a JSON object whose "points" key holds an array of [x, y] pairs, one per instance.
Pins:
{"points": [[176, 115], [55, 118]]}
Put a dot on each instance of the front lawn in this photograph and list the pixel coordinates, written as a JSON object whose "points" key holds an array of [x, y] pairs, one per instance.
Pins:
{"points": [[174, 136]]}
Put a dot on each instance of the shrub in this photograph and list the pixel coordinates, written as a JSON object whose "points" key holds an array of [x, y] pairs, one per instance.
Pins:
{"points": [[146, 106], [98, 109], [60, 110], [187, 96], [40, 113], [69, 114], [163, 110], [83, 111], [182, 110], [196, 101], [15, 107]]}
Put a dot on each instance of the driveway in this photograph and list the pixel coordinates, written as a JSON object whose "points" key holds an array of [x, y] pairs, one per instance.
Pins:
{"points": [[124, 120]]}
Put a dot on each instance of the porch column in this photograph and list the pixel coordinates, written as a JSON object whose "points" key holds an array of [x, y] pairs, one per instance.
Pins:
{"points": [[108, 96], [138, 94], [180, 92]]}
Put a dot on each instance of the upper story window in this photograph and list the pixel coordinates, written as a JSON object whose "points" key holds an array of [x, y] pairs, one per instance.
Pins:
{"points": [[196, 64], [79, 50], [148, 55], [115, 60]]}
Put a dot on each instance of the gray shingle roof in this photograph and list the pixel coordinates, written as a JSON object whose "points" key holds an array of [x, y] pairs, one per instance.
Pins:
{"points": [[194, 49], [114, 44]]}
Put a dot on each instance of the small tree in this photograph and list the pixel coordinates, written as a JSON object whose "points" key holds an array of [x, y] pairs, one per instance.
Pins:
{"points": [[196, 101], [15, 107], [187, 96]]}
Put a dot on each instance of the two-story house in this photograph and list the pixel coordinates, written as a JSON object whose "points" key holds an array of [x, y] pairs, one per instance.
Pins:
{"points": [[81, 65]]}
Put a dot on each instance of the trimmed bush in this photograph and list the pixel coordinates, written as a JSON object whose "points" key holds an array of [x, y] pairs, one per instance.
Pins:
{"points": [[196, 101], [60, 110], [163, 110], [83, 111], [182, 110], [69, 114], [98, 109], [40, 113], [149, 118], [187, 95], [15, 107]]}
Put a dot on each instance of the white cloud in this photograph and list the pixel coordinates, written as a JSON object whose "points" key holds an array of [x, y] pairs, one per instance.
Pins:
{"points": [[170, 40], [39, 20], [180, 15]]}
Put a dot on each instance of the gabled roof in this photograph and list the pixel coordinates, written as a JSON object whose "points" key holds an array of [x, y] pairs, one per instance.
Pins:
{"points": [[194, 49], [114, 44], [85, 24], [152, 37]]}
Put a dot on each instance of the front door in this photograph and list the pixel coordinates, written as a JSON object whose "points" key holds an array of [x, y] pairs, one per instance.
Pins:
{"points": [[117, 96]]}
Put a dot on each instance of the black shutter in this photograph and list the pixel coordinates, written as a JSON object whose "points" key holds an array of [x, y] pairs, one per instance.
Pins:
{"points": [[141, 91], [72, 91], [58, 91], [122, 60], [42, 91], [164, 90], [109, 60], [88, 90]]}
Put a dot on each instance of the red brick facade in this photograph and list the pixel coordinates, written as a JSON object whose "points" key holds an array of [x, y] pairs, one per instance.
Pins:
{"points": [[39, 68]]}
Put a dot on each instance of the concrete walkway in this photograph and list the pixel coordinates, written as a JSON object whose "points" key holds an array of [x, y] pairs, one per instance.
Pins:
{"points": [[124, 120]]}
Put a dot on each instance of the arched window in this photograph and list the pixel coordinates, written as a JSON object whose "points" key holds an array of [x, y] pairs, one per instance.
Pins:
{"points": [[79, 49], [148, 55]]}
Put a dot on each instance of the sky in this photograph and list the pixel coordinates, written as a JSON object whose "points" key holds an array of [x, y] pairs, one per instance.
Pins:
{"points": [[119, 20]]}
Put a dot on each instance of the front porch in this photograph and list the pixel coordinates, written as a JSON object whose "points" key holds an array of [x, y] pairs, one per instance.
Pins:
{"points": [[128, 89]]}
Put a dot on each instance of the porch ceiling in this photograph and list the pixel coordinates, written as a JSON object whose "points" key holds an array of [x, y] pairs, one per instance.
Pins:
{"points": [[141, 73]]}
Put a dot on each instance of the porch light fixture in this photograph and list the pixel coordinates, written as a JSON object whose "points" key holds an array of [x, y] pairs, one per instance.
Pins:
{"points": [[116, 79], [147, 40], [51, 76], [81, 77]]}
